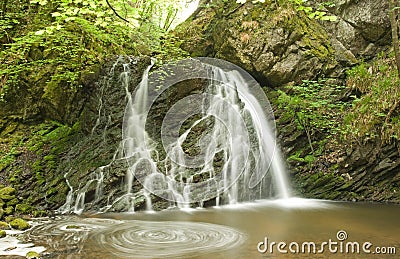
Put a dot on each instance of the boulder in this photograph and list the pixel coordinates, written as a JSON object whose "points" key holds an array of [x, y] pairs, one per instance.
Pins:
{"points": [[363, 27], [276, 44]]}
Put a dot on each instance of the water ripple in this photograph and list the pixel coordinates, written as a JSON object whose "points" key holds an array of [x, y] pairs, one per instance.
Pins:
{"points": [[150, 239], [65, 234]]}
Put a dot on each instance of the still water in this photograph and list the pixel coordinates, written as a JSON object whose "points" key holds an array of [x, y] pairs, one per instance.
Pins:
{"points": [[243, 231]]}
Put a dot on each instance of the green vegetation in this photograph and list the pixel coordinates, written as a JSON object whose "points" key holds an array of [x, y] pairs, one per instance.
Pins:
{"points": [[375, 111], [318, 13], [48, 52], [316, 108], [321, 110], [54, 43]]}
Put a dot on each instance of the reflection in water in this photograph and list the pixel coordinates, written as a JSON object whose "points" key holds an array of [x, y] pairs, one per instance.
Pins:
{"points": [[224, 232]]}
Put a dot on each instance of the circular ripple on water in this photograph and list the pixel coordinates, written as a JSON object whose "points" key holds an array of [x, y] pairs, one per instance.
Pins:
{"points": [[65, 234], [145, 239]]}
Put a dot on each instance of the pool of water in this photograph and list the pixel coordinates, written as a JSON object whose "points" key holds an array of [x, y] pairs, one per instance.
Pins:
{"points": [[264, 229]]}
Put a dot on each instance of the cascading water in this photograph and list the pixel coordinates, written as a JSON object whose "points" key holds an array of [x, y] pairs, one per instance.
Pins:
{"points": [[217, 144], [240, 135]]}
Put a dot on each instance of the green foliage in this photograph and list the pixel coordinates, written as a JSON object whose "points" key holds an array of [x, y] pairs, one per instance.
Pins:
{"points": [[376, 112], [313, 13], [317, 13], [53, 50], [297, 157], [51, 44], [314, 105]]}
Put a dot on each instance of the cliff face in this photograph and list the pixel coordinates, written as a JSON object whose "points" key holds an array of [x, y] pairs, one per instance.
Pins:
{"points": [[281, 47]]}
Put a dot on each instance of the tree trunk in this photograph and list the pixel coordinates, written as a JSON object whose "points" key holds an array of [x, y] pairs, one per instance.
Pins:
{"points": [[395, 34]]}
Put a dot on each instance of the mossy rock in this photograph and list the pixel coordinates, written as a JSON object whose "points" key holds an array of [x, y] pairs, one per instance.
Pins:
{"points": [[39, 213], [7, 193], [3, 233], [32, 255], [12, 202], [9, 218], [4, 225], [9, 210], [1, 213], [19, 224], [23, 208]]}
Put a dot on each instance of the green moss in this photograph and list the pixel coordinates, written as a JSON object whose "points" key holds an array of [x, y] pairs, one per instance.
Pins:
{"points": [[12, 203], [4, 225], [36, 166], [6, 160], [32, 255], [23, 208], [39, 213], [7, 193], [19, 224], [3, 233], [8, 210], [9, 218]]}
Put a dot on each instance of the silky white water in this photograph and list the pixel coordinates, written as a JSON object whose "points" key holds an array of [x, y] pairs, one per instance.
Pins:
{"points": [[240, 134], [218, 144]]}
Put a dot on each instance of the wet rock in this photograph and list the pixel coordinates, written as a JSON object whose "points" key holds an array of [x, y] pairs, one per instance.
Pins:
{"points": [[74, 227], [369, 172]]}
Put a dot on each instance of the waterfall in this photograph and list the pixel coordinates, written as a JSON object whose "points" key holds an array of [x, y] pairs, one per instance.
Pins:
{"points": [[216, 144], [240, 137]]}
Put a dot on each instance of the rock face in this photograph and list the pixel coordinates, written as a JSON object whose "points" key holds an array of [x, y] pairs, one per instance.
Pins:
{"points": [[359, 173], [278, 44], [363, 27], [274, 43]]}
